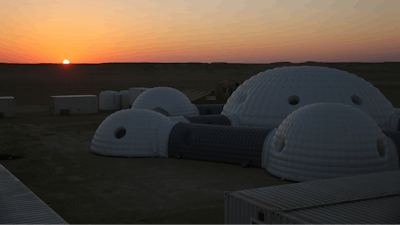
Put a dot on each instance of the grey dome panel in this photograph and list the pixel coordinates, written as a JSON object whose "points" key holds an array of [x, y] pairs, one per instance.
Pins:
{"points": [[395, 136], [210, 109], [162, 111], [214, 143], [210, 119]]}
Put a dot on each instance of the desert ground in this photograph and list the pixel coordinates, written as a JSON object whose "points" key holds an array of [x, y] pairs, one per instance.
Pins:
{"points": [[82, 187]]}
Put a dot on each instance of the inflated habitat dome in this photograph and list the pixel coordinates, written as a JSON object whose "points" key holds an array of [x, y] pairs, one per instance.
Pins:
{"points": [[267, 98], [327, 140], [169, 99], [133, 133]]}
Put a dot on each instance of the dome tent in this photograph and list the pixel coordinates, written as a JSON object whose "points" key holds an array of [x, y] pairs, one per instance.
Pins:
{"points": [[267, 98], [171, 100], [327, 140], [133, 133]]}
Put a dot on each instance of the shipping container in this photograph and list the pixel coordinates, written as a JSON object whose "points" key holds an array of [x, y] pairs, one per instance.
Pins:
{"points": [[109, 100], [74, 104], [7, 106], [124, 99], [371, 198], [19, 205]]}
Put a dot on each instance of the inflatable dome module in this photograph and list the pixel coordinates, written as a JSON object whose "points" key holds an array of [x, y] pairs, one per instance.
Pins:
{"points": [[169, 101], [328, 140], [109, 100], [133, 133], [267, 98]]}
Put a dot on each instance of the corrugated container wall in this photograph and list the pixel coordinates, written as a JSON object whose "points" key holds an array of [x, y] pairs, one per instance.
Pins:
{"points": [[362, 199]]}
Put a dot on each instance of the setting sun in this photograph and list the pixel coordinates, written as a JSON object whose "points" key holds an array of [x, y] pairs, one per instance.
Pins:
{"points": [[66, 61]]}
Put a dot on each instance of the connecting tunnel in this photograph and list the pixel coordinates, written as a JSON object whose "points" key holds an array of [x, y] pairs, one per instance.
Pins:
{"points": [[233, 145]]}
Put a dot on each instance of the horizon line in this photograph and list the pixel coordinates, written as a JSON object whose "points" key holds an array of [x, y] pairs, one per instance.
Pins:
{"points": [[188, 63]]}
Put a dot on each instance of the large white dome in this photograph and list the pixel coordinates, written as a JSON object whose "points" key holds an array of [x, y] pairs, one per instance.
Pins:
{"points": [[327, 140], [170, 99], [132, 133], [267, 98]]}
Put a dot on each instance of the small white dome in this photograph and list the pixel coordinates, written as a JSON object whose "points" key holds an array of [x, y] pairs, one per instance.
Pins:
{"points": [[267, 98], [327, 140], [170, 99], [130, 133]]}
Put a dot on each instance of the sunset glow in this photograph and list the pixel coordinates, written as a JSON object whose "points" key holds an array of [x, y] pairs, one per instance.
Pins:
{"points": [[238, 31], [66, 61]]}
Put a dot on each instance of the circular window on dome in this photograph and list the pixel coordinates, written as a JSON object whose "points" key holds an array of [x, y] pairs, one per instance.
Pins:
{"points": [[381, 148], [294, 100], [356, 100], [281, 144], [120, 132]]}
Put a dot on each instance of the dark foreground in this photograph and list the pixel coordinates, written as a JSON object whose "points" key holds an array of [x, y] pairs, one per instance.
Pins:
{"points": [[57, 165], [83, 187]]}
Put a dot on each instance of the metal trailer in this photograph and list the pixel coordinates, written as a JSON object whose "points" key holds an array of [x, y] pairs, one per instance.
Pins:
{"points": [[74, 104], [371, 198], [7, 106]]}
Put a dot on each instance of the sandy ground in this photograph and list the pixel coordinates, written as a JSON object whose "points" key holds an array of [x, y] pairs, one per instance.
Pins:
{"points": [[83, 187]]}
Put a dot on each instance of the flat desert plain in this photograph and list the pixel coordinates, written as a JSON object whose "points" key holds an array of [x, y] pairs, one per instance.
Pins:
{"points": [[84, 188]]}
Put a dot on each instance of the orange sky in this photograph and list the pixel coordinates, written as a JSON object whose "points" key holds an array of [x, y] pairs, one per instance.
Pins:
{"points": [[258, 31]]}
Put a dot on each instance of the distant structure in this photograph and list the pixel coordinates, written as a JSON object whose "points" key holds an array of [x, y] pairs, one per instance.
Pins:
{"points": [[109, 100], [124, 99], [225, 88], [7, 106], [170, 100], [73, 104]]}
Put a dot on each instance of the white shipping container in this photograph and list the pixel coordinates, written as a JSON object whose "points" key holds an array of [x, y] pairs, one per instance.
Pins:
{"points": [[134, 93], [362, 199], [109, 100], [124, 99], [74, 104], [7, 106]]}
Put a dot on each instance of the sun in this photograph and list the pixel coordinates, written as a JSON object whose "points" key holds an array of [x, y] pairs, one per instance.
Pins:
{"points": [[66, 61]]}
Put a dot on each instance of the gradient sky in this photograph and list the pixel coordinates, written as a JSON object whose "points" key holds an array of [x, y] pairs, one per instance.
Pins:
{"points": [[234, 31]]}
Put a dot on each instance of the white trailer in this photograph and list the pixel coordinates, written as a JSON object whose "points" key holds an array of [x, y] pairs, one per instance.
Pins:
{"points": [[124, 99], [74, 104], [109, 100], [362, 199], [7, 106], [134, 93]]}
